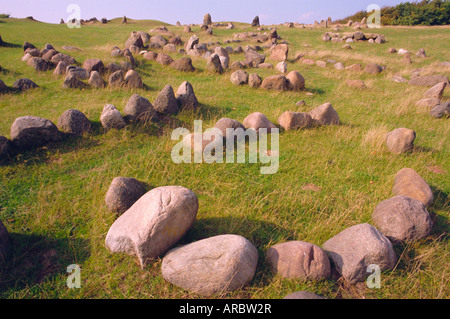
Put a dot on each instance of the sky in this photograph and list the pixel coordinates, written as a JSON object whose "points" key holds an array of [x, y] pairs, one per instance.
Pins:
{"points": [[192, 11]]}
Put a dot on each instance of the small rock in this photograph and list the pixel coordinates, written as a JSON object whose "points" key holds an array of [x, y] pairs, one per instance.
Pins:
{"points": [[123, 193], [400, 140], [211, 266], [339, 66], [74, 122], [402, 219], [111, 118]]}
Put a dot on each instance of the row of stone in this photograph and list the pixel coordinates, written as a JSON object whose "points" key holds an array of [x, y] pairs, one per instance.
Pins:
{"points": [[224, 263]]}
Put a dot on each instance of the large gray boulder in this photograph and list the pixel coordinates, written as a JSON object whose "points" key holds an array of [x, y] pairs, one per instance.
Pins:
{"points": [[400, 140], [357, 247], [139, 108], [211, 266], [186, 98], [409, 183], [299, 259], [402, 219], [154, 224], [165, 102], [123, 193], [111, 118], [74, 122], [28, 132]]}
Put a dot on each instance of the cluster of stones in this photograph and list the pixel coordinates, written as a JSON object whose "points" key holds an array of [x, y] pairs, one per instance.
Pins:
{"points": [[351, 37], [31, 132], [150, 224]]}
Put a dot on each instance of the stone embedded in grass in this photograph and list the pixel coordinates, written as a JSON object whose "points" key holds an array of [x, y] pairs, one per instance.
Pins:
{"points": [[275, 82], [111, 118], [145, 37], [428, 102], [421, 53], [224, 123], [254, 58], [299, 260], [139, 108], [402, 219], [150, 55], [48, 54], [5, 244], [409, 183], [133, 80], [165, 102], [63, 57], [61, 68], [116, 79], [211, 266], [258, 120], [373, 68], [295, 81], [441, 110], [193, 40], [94, 65], [198, 142], [279, 52], [186, 98], [74, 122], [134, 39], [436, 91], [254, 80], [213, 64], [184, 64], [154, 224], [164, 59], [294, 120], [325, 114], [73, 82], [29, 132], [281, 67], [39, 64], [123, 193], [96, 80], [303, 295], [357, 247], [24, 84], [27, 45], [239, 77], [359, 84], [77, 72], [400, 140], [428, 80], [354, 67]]}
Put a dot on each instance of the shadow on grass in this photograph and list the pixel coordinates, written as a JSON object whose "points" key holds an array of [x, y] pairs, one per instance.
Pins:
{"points": [[35, 258]]}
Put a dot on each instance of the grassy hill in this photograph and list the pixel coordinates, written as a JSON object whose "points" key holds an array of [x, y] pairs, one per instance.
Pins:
{"points": [[52, 200]]}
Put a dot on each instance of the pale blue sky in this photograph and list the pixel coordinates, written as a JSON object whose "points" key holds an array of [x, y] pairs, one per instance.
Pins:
{"points": [[192, 11]]}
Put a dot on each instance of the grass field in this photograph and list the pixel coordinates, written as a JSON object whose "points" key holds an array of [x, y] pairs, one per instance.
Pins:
{"points": [[52, 200]]}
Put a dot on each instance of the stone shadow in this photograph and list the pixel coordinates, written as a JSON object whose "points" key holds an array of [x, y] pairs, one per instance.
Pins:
{"points": [[34, 258]]}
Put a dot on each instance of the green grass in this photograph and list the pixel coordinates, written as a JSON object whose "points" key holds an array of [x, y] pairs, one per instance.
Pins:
{"points": [[52, 200]]}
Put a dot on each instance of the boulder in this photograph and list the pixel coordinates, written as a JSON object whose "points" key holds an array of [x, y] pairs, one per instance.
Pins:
{"points": [[39, 64], [165, 102], [254, 58], [96, 80], [61, 68], [281, 67], [402, 219], [239, 77], [296, 81], [77, 72], [158, 39], [133, 80], [400, 140], [294, 120], [213, 64], [299, 260], [354, 68], [421, 53], [279, 52], [73, 82], [254, 80], [428, 102], [257, 121], [74, 122], [134, 39], [184, 64], [441, 110], [373, 68], [207, 19], [255, 22], [62, 57], [224, 123], [211, 266], [116, 79], [321, 64], [164, 59], [29, 132], [24, 84], [428, 80], [325, 114], [139, 108], [123, 193], [186, 98], [154, 224], [357, 247], [409, 183], [94, 65], [275, 82], [111, 118], [150, 56], [436, 91], [48, 54], [193, 40]]}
